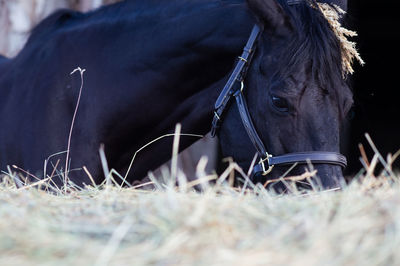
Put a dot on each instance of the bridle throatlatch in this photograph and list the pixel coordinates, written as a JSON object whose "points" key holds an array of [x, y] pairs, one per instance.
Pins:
{"points": [[234, 88]]}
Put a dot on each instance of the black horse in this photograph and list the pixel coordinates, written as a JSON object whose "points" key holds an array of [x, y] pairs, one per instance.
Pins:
{"points": [[153, 64]]}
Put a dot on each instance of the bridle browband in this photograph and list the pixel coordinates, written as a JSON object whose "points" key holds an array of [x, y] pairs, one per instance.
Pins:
{"points": [[234, 88]]}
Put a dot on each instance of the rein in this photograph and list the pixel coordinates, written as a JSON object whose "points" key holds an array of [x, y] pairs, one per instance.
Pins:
{"points": [[234, 88]]}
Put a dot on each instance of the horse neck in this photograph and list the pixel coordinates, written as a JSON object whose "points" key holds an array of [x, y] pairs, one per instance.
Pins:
{"points": [[209, 42], [188, 54], [216, 26]]}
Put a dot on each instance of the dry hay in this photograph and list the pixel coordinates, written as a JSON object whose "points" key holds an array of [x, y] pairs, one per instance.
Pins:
{"points": [[333, 14], [110, 225]]}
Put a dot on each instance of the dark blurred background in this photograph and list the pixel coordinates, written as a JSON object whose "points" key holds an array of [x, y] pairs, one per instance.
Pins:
{"points": [[376, 87]]}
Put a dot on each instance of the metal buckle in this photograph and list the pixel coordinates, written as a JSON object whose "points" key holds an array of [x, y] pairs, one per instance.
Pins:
{"points": [[243, 59], [241, 86], [262, 163], [216, 116], [240, 90]]}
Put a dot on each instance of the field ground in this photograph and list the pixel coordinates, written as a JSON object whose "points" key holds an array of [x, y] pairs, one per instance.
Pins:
{"points": [[109, 225]]}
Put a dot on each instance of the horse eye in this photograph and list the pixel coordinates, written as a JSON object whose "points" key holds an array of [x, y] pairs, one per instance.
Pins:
{"points": [[280, 103]]}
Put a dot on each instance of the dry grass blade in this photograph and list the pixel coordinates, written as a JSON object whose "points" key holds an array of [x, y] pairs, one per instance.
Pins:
{"points": [[348, 48], [302, 177], [152, 142], [81, 71], [175, 151]]}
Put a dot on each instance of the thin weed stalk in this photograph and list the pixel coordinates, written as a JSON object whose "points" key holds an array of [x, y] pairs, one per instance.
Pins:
{"points": [[81, 71]]}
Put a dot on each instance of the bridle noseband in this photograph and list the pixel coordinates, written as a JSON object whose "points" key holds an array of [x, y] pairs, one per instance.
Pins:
{"points": [[234, 88]]}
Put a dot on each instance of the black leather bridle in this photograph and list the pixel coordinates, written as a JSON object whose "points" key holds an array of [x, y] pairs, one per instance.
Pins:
{"points": [[234, 88]]}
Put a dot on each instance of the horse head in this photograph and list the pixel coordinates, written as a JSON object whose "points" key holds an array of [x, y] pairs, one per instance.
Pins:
{"points": [[295, 89]]}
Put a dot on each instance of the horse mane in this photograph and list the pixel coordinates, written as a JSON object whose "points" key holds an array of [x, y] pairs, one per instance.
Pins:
{"points": [[317, 42]]}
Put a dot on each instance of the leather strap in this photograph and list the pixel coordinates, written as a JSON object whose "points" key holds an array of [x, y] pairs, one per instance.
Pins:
{"points": [[248, 124], [294, 2], [237, 76], [314, 157]]}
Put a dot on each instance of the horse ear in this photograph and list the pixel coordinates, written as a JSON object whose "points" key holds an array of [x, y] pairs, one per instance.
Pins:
{"points": [[271, 15]]}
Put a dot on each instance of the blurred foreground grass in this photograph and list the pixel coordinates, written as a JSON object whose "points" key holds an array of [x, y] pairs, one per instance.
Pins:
{"points": [[359, 225]]}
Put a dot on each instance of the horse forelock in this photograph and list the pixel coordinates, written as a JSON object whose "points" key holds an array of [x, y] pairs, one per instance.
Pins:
{"points": [[316, 43]]}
